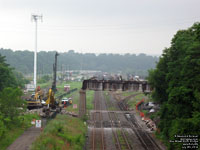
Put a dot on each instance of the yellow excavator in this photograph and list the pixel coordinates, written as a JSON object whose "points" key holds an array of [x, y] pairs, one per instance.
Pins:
{"points": [[36, 98], [51, 105], [50, 98]]}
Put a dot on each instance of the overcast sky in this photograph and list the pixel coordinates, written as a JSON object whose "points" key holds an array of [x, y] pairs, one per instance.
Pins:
{"points": [[95, 26]]}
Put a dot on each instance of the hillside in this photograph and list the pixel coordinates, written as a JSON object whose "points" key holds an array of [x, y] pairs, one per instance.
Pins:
{"points": [[128, 63]]}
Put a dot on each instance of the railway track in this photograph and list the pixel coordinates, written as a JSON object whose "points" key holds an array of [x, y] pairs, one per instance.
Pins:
{"points": [[118, 128], [98, 140], [120, 137], [122, 106], [145, 139]]}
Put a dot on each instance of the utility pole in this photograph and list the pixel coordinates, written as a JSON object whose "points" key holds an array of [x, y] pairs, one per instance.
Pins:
{"points": [[35, 19], [54, 73]]}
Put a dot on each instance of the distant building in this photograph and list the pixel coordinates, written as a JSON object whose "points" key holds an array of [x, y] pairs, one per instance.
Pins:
{"points": [[66, 87], [30, 87]]}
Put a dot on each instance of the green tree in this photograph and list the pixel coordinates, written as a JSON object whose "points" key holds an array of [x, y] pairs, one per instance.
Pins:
{"points": [[11, 107], [21, 81], [7, 78], [157, 78], [176, 83], [22, 61], [11, 104], [44, 79]]}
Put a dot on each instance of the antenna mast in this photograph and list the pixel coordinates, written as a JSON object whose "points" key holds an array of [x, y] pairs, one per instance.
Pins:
{"points": [[35, 18]]}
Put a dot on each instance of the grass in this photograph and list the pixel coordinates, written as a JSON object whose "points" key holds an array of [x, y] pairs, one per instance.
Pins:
{"points": [[16, 130], [145, 112], [128, 93], [89, 100], [75, 96], [108, 102], [134, 100], [73, 85], [75, 100], [62, 133], [121, 140], [45, 85], [60, 86]]}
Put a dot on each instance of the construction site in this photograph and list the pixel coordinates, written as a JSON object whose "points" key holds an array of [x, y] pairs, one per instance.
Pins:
{"points": [[99, 75]]}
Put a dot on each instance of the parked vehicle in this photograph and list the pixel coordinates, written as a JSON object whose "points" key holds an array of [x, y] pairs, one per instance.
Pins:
{"points": [[66, 101]]}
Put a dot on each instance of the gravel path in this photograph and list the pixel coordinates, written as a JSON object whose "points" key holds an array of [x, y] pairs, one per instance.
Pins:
{"points": [[25, 140]]}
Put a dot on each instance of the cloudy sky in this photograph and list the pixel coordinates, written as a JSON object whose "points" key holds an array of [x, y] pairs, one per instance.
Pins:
{"points": [[95, 26]]}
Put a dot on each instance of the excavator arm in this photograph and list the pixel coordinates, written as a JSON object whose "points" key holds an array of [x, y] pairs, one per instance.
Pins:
{"points": [[50, 98]]}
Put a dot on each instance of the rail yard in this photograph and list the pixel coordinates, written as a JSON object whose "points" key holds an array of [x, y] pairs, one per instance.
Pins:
{"points": [[117, 129], [111, 125]]}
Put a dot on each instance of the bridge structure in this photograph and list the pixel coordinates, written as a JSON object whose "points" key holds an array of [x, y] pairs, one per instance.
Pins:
{"points": [[109, 85], [114, 85]]}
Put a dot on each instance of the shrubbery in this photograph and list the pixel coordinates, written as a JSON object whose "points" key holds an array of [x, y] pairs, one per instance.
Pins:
{"points": [[12, 119], [11, 106], [63, 132], [44, 79], [176, 83]]}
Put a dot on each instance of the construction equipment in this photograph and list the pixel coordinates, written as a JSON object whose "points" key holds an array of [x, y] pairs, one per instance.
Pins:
{"points": [[54, 73], [50, 102], [51, 105], [35, 100], [66, 101]]}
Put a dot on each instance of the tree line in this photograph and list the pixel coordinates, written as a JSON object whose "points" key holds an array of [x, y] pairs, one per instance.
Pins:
{"points": [[176, 83], [128, 63], [11, 104]]}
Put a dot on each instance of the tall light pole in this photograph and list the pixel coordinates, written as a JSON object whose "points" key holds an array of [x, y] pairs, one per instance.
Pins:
{"points": [[35, 19]]}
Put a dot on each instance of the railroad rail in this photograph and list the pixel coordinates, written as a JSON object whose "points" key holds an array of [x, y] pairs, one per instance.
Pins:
{"points": [[98, 133], [145, 139], [106, 111], [119, 133], [122, 143]]}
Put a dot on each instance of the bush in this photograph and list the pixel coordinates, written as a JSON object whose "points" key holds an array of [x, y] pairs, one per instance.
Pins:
{"points": [[9, 133], [11, 105], [176, 85], [63, 132], [44, 79]]}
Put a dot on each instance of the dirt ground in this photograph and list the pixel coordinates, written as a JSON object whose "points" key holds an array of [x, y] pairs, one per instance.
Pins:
{"points": [[27, 138]]}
